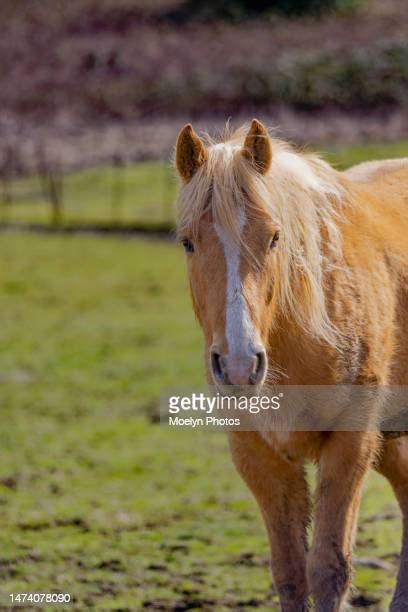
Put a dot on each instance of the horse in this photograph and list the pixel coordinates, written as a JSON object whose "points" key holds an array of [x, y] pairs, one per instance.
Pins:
{"points": [[299, 275]]}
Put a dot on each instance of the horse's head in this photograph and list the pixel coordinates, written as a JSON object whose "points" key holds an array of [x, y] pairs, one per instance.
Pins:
{"points": [[231, 242]]}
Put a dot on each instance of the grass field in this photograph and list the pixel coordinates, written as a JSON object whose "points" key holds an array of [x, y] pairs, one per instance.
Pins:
{"points": [[96, 499], [142, 193]]}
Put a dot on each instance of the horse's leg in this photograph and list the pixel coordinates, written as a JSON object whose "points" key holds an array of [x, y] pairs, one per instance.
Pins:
{"points": [[393, 464], [344, 462], [281, 491]]}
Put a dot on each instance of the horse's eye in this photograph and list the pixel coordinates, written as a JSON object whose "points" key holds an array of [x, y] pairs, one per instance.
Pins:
{"points": [[274, 241], [188, 245]]}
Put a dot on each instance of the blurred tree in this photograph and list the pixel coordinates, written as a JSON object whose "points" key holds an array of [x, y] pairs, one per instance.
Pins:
{"points": [[238, 9]]}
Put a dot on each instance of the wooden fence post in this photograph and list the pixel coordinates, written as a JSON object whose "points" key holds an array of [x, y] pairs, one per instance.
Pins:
{"points": [[118, 188], [52, 185], [7, 170]]}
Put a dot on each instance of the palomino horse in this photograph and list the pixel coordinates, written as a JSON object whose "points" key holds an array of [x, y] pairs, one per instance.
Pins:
{"points": [[299, 274]]}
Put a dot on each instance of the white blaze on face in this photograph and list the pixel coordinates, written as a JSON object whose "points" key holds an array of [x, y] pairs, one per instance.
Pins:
{"points": [[240, 333]]}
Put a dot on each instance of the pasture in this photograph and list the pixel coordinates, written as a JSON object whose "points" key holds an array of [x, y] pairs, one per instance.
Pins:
{"points": [[96, 498]]}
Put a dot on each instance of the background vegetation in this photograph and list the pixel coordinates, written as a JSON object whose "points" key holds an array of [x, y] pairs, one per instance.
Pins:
{"points": [[147, 60], [92, 82]]}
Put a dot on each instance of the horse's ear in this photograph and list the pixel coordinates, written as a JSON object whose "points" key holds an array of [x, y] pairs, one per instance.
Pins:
{"points": [[257, 146], [190, 152]]}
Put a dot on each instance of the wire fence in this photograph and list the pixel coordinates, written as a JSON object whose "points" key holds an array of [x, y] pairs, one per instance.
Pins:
{"points": [[120, 194]]}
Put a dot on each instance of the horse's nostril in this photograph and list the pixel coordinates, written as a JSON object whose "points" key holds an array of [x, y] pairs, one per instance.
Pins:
{"points": [[216, 366], [260, 367], [261, 360]]}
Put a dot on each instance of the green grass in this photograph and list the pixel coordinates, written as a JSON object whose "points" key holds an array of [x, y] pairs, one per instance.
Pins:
{"points": [[141, 193], [95, 499]]}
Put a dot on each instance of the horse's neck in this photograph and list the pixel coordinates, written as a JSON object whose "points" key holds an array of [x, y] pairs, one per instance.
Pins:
{"points": [[374, 235], [377, 227]]}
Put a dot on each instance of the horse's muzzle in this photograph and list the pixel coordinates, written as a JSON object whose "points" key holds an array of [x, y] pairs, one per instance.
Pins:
{"points": [[243, 369]]}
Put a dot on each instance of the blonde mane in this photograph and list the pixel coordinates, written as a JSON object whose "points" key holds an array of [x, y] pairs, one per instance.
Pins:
{"points": [[303, 196]]}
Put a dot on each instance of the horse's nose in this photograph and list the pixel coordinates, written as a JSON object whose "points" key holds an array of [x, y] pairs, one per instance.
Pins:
{"points": [[241, 369]]}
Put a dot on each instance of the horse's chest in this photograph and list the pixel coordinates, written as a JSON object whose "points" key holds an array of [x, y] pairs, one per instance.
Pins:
{"points": [[295, 447]]}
